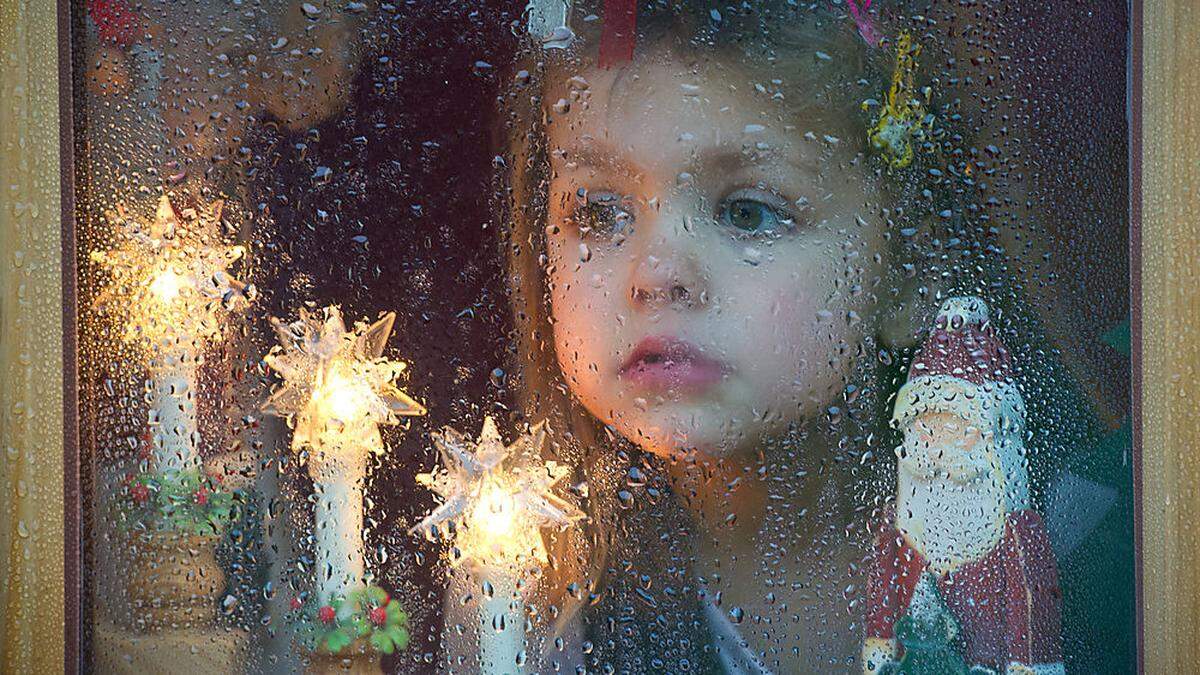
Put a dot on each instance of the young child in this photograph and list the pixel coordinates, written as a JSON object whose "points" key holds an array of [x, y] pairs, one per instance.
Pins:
{"points": [[714, 279], [704, 258]]}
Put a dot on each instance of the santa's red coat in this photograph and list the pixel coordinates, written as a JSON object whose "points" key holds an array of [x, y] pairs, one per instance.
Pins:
{"points": [[1007, 604]]}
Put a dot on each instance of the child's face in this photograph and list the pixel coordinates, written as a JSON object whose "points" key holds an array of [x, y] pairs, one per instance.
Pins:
{"points": [[712, 269]]}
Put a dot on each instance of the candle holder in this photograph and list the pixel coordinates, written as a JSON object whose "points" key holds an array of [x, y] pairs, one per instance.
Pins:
{"points": [[496, 499], [337, 389], [168, 289]]}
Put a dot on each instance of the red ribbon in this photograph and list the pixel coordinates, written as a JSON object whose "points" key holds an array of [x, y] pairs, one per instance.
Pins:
{"points": [[619, 32]]}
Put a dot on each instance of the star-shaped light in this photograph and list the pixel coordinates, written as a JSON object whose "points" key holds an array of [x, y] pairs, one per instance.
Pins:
{"points": [[337, 387], [497, 497], [169, 280]]}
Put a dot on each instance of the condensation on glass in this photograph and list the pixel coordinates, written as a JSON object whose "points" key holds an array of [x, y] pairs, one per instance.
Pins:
{"points": [[604, 336]]}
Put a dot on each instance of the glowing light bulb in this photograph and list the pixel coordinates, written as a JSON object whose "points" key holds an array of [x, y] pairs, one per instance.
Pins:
{"points": [[495, 514], [502, 494], [343, 399], [167, 286]]}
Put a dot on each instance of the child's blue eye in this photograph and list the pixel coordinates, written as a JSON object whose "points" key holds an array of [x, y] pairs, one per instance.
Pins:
{"points": [[753, 216]]}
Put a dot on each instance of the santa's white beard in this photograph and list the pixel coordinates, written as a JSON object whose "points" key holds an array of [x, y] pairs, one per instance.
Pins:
{"points": [[950, 522]]}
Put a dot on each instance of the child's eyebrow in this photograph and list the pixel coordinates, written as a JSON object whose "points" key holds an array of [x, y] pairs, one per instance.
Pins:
{"points": [[598, 153], [731, 158]]}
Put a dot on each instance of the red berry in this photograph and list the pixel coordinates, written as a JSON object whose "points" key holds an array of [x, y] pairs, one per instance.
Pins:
{"points": [[140, 493], [378, 616], [296, 604], [202, 496], [326, 614]]}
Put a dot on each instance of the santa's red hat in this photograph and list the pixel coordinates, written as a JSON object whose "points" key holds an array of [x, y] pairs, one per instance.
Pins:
{"points": [[965, 369]]}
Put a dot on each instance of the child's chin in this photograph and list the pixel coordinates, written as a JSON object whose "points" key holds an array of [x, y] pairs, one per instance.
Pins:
{"points": [[671, 439]]}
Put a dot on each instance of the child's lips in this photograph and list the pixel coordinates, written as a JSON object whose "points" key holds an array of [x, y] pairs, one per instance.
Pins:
{"points": [[665, 363]]}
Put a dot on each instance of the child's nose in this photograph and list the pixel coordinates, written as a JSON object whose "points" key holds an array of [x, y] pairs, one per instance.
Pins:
{"points": [[667, 277]]}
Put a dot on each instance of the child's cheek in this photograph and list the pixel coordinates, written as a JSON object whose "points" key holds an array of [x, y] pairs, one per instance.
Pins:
{"points": [[585, 318], [794, 331]]}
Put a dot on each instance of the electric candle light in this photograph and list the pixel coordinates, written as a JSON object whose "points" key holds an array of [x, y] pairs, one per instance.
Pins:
{"points": [[337, 389], [495, 500], [168, 289]]}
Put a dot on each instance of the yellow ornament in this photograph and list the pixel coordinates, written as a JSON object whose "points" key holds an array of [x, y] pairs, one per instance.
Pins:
{"points": [[903, 120]]}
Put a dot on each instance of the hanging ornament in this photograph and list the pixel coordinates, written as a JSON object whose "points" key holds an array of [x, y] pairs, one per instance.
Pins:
{"points": [[903, 121]]}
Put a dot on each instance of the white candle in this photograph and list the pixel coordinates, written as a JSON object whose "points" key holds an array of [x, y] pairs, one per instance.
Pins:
{"points": [[173, 408], [500, 496], [484, 622], [502, 622], [340, 389], [339, 526]]}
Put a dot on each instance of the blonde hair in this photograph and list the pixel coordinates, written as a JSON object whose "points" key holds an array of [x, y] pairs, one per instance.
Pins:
{"points": [[785, 39]]}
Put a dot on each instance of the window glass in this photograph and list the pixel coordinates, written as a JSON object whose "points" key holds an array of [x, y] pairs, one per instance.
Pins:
{"points": [[604, 336]]}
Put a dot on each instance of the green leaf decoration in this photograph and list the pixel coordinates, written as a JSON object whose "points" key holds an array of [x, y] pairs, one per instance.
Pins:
{"points": [[337, 640], [185, 501], [399, 636], [353, 622], [382, 643]]}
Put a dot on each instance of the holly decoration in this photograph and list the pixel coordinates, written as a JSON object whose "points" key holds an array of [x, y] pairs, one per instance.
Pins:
{"points": [[367, 614], [185, 501]]}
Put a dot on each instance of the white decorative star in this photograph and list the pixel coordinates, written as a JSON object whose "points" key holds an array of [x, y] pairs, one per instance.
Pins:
{"points": [[496, 497], [169, 282], [337, 387]]}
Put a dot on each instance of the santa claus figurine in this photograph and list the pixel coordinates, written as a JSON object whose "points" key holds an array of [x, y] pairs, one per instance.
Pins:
{"points": [[962, 579]]}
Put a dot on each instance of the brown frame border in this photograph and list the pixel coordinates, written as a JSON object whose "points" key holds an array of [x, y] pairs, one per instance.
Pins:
{"points": [[1136, 39], [72, 505]]}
